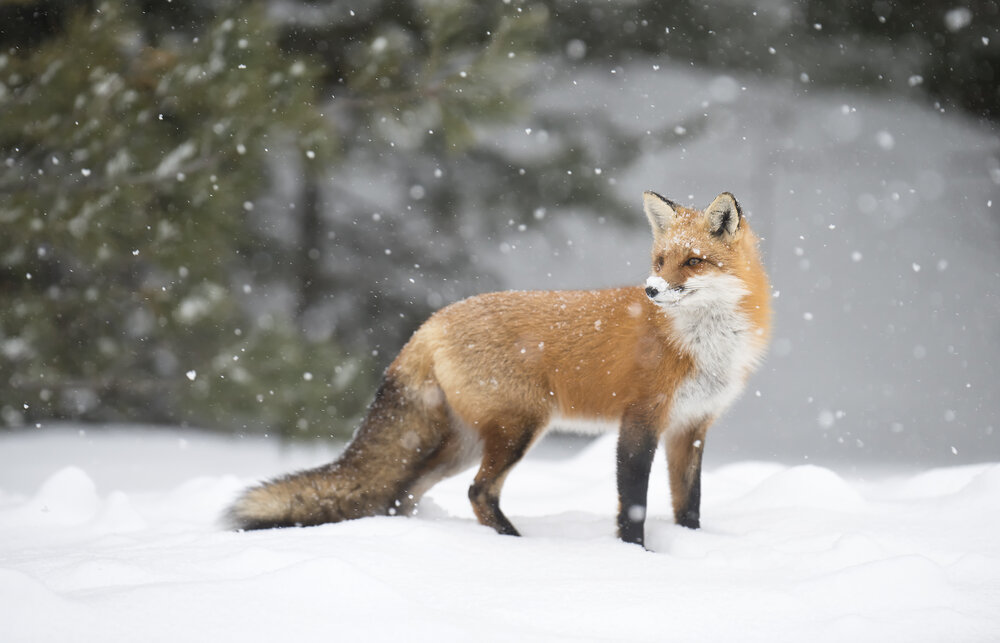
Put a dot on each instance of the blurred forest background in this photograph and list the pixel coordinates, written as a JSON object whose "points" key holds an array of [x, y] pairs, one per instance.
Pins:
{"points": [[231, 215]]}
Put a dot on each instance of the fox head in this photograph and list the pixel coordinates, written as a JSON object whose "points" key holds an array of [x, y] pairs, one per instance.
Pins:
{"points": [[700, 258]]}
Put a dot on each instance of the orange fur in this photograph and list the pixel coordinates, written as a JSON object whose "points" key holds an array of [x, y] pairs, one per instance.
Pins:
{"points": [[482, 378]]}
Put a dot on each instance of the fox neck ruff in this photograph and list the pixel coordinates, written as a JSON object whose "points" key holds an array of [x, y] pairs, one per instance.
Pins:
{"points": [[713, 330]]}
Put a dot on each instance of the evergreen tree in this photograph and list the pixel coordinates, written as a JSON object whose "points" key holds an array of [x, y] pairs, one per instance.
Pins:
{"points": [[183, 246], [132, 171]]}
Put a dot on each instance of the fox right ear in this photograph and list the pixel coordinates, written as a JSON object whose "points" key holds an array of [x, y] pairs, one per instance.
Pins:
{"points": [[659, 210], [724, 215]]}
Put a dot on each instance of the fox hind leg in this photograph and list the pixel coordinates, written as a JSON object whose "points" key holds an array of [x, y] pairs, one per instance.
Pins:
{"points": [[503, 447]]}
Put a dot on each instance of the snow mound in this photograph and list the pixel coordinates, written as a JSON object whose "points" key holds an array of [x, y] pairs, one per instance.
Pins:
{"points": [[984, 484], [67, 497], [806, 486], [117, 515]]}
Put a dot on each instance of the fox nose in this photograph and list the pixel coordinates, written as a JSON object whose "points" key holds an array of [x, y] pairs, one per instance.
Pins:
{"points": [[651, 292]]}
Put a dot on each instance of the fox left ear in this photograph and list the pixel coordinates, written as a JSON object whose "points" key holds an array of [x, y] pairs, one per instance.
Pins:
{"points": [[660, 212], [724, 215]]}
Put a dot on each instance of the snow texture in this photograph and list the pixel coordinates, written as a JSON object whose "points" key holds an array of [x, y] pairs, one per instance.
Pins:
{"points": [[110, 535]]}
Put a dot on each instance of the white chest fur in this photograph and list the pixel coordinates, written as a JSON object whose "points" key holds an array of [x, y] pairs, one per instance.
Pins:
{"points": [[711, 328]]}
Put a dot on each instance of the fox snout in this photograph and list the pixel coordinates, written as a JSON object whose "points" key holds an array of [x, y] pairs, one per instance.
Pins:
{"points": [[662, 292], [658, 286], [653, 291]]}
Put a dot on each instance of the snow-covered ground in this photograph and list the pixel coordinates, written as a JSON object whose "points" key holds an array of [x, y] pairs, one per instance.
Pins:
{"points": [[111, 535]]}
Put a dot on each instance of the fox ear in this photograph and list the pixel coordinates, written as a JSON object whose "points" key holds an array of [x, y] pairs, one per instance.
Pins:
{"points": [[724, 215], [659, 211]]}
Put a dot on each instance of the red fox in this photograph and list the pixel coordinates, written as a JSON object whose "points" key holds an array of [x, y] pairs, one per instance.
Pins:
{"points": [[482, 378]]}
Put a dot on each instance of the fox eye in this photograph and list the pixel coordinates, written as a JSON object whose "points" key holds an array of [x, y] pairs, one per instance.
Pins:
{"points": [[693, 261], [658, 264]]}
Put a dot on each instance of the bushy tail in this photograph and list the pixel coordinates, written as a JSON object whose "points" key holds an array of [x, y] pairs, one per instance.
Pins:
{"points": [[312, 497], [402, 447]]}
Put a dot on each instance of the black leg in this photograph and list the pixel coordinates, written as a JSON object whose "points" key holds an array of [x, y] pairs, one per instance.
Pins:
{"points": [[690, 513], [684, 455], [636, 448]]}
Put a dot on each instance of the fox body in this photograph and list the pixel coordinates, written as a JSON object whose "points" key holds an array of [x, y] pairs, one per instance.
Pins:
{"points": [[481, 380]]}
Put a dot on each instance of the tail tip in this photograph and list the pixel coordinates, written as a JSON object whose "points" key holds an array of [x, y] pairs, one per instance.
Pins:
{"points": [[247, 514]]}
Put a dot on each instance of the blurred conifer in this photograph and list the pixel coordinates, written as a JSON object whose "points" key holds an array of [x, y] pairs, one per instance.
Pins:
{"points": [[132, 168]]}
